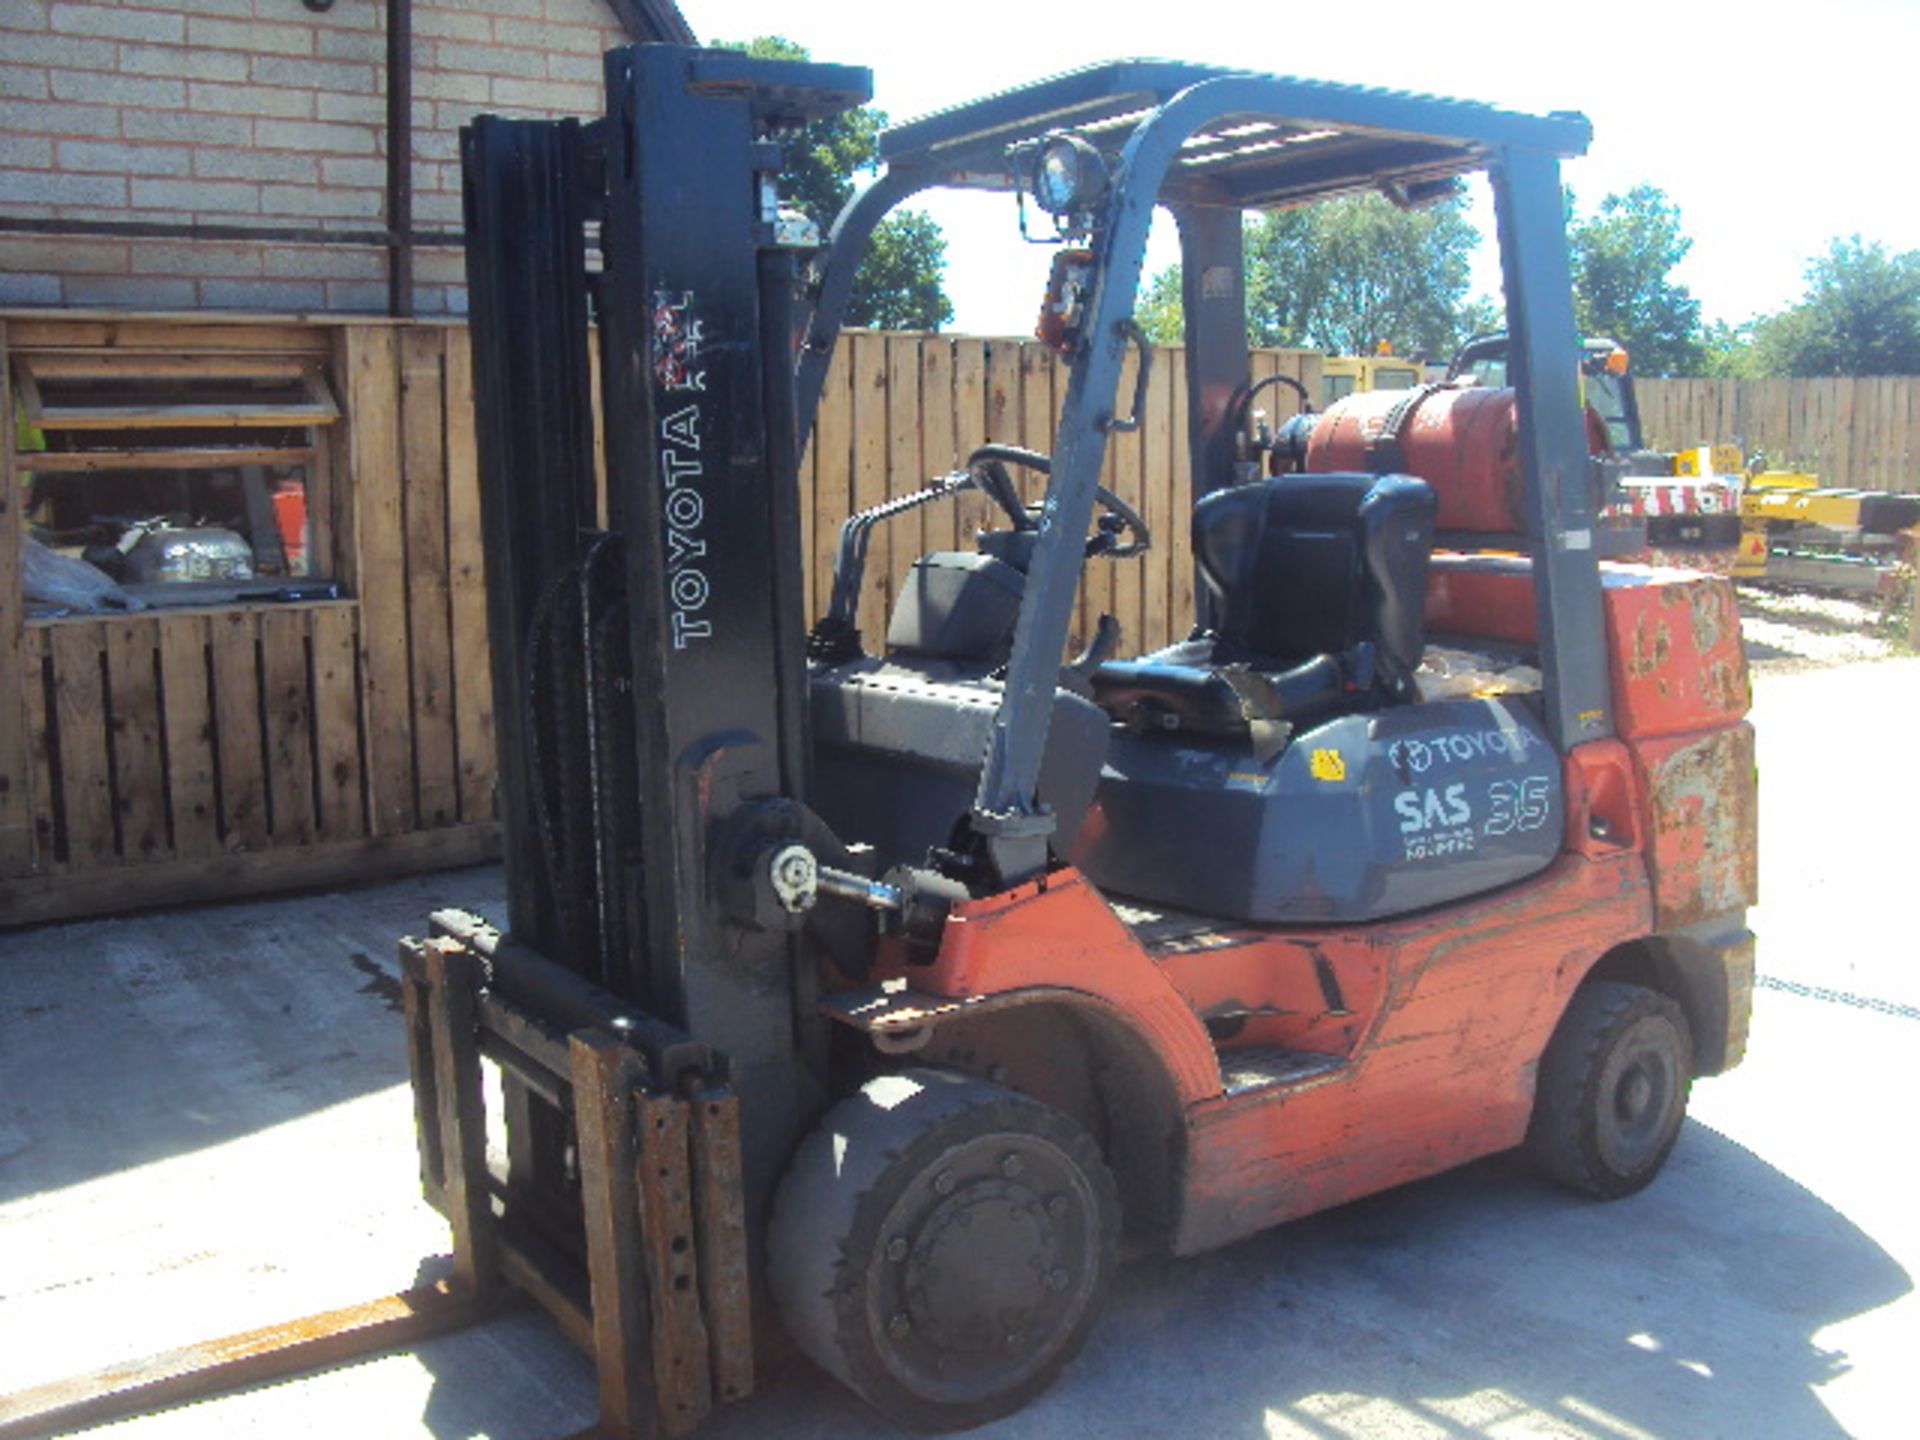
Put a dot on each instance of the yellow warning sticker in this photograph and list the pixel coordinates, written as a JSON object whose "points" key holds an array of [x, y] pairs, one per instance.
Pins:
{"points": [[1328, 765]]}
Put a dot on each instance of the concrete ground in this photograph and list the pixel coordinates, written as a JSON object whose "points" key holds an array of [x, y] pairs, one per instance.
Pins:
{"points": [[204, 1126]]}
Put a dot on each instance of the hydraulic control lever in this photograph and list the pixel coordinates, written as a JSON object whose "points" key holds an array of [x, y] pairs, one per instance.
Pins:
{"points": [[912, 903]]}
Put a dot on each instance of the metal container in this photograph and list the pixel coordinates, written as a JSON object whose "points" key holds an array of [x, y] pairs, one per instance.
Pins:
{"points": [[1464, 443], [166, 553]]}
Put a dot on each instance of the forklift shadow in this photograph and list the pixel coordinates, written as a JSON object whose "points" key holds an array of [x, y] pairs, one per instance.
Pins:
{"points": [[1486, 1300], [1480, 1302], [1761, 650]]}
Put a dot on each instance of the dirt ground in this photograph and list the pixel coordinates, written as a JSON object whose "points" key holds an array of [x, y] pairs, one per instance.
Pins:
{"points": [[1789, 631]]}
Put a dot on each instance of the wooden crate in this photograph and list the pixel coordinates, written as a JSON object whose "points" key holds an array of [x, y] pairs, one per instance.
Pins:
{"points": [[160, 757]]}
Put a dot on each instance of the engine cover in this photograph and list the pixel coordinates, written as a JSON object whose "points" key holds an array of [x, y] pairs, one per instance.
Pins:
{"points": [[1360, 818]]}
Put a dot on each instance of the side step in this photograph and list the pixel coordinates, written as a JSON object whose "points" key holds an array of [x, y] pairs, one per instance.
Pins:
{"points": [[1262, 1067]]}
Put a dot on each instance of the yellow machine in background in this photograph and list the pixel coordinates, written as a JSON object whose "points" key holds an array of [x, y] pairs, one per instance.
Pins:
{"points": [[1795, 531], [1704, 508], [1710, 460]]}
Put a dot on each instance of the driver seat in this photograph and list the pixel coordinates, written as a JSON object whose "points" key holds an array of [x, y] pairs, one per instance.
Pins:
{"points": [[1317, 583]]}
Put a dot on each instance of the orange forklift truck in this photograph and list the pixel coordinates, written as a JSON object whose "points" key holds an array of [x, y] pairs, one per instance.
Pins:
{"points": [[897, 981]]}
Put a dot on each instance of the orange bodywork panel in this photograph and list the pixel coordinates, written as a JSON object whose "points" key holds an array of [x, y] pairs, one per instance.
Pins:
{"points": [[1439, 1019], [1701, 813], [1445, 1073], [1485, 596], [1059, 932], [1673, 645], [1300, 991]]}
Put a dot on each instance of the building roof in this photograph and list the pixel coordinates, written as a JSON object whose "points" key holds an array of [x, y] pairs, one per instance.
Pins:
{"points": [[653, 20]]}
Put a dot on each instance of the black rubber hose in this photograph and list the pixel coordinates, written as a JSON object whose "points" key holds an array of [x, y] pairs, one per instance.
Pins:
{"points": [[1245, 407]]}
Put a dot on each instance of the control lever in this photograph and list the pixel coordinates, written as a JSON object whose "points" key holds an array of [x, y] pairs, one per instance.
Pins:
{"points": [[1077, 674], [912, 902]]}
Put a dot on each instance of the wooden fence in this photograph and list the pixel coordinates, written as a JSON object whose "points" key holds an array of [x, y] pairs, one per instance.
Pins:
{"points": [[151, 759], [899, 408], [1863, 432]]}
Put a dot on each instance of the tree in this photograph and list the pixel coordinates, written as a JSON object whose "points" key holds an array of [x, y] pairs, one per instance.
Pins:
{"points": [[1344, 276], [1623, 256], [1727, 351], [1347, 275], [898, 287], [1860, 316], [898, 284], [1158, 311]]}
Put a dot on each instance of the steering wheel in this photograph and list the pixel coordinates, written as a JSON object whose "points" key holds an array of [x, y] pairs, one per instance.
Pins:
{"points": [[988, 466]]}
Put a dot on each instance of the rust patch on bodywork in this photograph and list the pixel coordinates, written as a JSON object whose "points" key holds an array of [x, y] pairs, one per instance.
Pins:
{"points": [[1725, 687], [1702, 813], [1710, 606], [1652, 646], [1677, 662]]}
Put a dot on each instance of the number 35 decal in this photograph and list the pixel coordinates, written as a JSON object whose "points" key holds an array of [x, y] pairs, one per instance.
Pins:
{"points": [[1518, 805]]}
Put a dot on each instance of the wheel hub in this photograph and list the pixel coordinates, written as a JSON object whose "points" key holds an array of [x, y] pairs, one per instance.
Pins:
{"points": [[982, 1256], [985, 1265], [1642, 1090], [1636, 1091]]}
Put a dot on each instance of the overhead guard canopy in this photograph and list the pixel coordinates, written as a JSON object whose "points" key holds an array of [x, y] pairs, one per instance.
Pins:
{"points": [[1288, 142]]}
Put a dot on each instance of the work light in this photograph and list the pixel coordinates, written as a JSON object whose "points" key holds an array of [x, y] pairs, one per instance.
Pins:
{"points": [[1070, 176]]}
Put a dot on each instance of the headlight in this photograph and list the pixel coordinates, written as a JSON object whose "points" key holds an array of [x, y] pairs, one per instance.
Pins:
{"points": [[1070, 177]]}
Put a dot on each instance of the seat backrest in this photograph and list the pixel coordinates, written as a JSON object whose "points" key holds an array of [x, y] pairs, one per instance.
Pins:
{"points": [[956, 605], [1305, 565]]}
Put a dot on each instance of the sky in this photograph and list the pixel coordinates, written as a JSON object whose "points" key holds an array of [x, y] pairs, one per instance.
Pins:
{"points": [[1774, 126]]}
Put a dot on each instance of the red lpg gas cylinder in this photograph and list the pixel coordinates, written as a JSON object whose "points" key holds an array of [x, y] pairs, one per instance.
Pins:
{"points": [[1464, 443]]}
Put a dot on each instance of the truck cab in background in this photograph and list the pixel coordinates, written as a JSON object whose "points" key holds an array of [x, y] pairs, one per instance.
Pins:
{"points": [[1341, 375]]}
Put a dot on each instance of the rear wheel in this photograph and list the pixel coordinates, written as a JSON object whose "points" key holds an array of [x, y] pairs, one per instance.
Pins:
{"points": [[942, 1245], [1612, 1090]]}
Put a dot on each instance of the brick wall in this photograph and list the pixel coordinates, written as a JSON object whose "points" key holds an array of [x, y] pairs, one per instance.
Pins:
{"points": [[262, 112]]}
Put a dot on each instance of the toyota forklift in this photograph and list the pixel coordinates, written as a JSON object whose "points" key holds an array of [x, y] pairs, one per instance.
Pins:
{"points": [[881, 991]]}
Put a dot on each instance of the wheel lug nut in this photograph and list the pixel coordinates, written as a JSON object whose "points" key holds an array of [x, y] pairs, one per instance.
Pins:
{"points": [[1011, 1165], [1057, 1206], [897, 1248], [1058, 1279], [1013, 1340], [944, 1182], [899, 1327]]}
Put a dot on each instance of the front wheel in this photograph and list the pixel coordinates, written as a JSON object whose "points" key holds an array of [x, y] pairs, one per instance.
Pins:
{"points": [[1612, 1090], [942, 1245]]}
